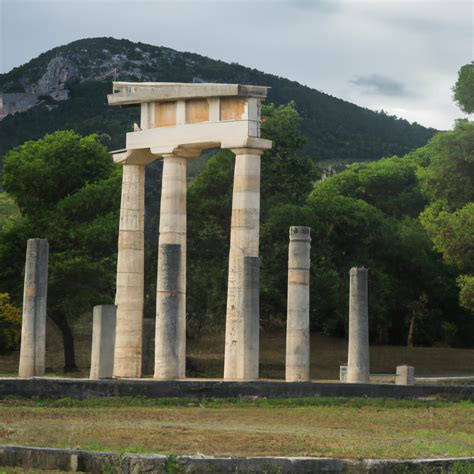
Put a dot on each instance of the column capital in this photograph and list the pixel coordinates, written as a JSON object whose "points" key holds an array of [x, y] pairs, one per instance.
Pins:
{"points": [[182, 153], [247, 151], [254, 145], [141, 156]]}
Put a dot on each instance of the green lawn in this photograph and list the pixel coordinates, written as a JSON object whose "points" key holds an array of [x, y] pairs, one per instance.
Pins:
{"points": [[339, 427]]}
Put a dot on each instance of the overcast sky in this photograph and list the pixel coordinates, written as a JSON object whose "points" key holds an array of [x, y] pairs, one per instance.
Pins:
{"points": [[398, 55]]}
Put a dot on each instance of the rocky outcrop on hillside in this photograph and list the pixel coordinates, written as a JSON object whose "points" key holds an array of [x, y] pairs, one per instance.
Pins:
{"points": [[23, 91]]}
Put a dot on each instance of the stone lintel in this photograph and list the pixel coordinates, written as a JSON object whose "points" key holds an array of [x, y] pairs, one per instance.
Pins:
{"points": [[143, 156], [128, 93]]}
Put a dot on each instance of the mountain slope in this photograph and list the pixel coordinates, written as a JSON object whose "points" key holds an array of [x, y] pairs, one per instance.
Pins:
{"points": [[66, 87]]}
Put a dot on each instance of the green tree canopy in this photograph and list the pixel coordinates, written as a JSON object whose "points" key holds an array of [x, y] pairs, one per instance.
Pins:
{"points": [[449, 178], [286, 178], [40, 173], [464, 88], [448, 184], [68, 191], [389, 184]]}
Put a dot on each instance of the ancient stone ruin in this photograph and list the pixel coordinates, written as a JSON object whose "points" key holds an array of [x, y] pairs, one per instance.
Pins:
{"points": [[179, 121]]}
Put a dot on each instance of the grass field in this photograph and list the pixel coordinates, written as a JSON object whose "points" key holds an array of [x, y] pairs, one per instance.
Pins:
{"points": [[347, 428], [307, 427]]}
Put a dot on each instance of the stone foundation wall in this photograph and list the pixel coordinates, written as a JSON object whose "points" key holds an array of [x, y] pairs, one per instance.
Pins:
{"points": [[195, 389], [86, 461]]}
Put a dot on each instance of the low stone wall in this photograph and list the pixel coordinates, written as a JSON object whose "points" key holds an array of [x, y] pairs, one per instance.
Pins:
{"points": [[88, 461], [194, 388]]}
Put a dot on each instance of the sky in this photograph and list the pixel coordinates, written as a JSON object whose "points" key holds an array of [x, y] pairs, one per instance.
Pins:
{"points": [[401, 56]]}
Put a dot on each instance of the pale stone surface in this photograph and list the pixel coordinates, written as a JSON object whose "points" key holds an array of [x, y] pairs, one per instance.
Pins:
{"points": [[177, 117], [126, 93], [297, 332], [405, 375], [244, 241], [169, 337], [172, 231], [343, 373], [103, 341], [358, 357], [130, 268], [197, 136], [249, 341], [178, 121], [33, 328]]}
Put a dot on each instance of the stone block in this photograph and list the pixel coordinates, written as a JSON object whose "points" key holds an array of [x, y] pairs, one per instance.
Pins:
{"points": [[405, 375], [103, 341]]}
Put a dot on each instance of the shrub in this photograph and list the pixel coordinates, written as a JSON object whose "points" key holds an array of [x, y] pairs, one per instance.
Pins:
{"points": [[10, 324]]}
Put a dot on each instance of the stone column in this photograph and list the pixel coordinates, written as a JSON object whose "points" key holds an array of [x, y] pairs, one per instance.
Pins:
{"points": [[297, 333], [358, 358], [103, 341], [241, 362], [33, 327], [130, 268], [168, 360], [171, 346]]}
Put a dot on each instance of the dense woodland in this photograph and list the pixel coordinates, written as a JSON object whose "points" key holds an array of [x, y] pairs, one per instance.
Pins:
{"points": [[409, 219]]}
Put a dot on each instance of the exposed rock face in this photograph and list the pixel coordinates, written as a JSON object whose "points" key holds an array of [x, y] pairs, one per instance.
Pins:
{"points": [[16, 102], [51, 83], [58, 71]]}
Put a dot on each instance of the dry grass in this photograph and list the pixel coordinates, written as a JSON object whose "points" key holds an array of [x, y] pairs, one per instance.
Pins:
{"points": [[206, 355], [341, 428]]}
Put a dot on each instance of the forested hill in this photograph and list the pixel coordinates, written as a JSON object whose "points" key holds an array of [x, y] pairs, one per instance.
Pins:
{"points": [[66, 87]]}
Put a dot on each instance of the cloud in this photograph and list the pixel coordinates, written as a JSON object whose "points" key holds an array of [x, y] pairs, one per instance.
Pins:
{"points": [[329, 6], [374, 84]]}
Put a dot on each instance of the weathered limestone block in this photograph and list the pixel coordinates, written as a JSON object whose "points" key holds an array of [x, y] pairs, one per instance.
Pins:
{"points": [[405, 375], [358, 358], [33, 329], [244, 241], [169, 331], [130, 274], [103, 341], [297, 333]]}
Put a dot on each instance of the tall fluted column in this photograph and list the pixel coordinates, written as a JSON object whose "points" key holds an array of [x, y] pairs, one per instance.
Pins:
{"points": [[170, 335], [297, 332], [130, 274], [358, 358], [242, 319], [33, 325]]}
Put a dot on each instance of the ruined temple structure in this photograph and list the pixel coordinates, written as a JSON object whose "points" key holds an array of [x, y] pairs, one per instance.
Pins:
{"points": [[178, 121]]}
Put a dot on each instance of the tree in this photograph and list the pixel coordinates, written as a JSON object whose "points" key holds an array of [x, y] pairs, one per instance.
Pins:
{"points": [[370, 212], [448, 183], [67, 190], [286, 178], [464, 88], [449, 177], [389, 184]]}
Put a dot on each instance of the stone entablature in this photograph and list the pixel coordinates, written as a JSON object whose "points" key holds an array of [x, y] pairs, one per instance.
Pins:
{"points": [[194, 117]]}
